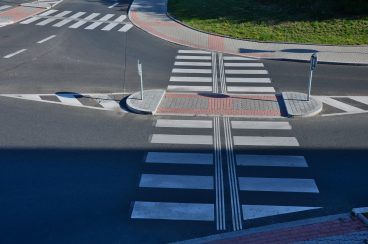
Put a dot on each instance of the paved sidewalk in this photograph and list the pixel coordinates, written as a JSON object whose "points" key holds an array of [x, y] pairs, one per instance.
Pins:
{"points": [[151, 16], [341, 228]]}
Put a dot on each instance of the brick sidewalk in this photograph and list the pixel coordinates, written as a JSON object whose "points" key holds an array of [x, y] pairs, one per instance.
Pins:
{"points": [[218, 104], [20, 13]]}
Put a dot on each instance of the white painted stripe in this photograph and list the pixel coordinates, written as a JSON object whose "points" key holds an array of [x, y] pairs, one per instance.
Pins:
{"points": [[179, 158], [49, 20], [193, 57], [177, 181], [232, 58], [173, 211], [265, 141], [190, 79], [125, 28], [271, 160], [192, 64], [250, 89], [100, 22], [46, 39], [260, 211], [15, 53], [246, 72], [194, 52], [278, 184], [193, 71], [114, 5], [243, 65], [170, 123], [32, 97], [69, 99], [70, 19], [361, 99], [261, 125], [248, 80], [190, 88], [112, 25], [47, 13], [182, 139], [340, 105], [120, 19], [91, 16], [107, 102], [30, 20], [4, 7], [82, 22]]}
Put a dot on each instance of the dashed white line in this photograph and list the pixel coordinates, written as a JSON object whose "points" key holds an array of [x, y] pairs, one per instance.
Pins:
{"points": [[15, 53], [46, 39], [114, 5]]}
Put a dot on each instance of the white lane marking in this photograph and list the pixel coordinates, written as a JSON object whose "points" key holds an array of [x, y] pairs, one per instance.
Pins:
{"points": [[46, 39], [219, 178], [231, 58], [182, 139], [190, 88], [259, 211], [173, 211], [15, 53], [107, 102], [193, 57], [179, 158], [250, 89], [30, 20], [119, 20], [192, 64], [193, 71], [222, 73], [215, 87], [47, 13], [234, 190], [246, 72], [114, 5], [248, 80], [100, 21], [261, 125], [361, 99], [69, 99], [70, 19], [177, 181], [49, 20], [271, 161], [4, 7], [244, 65], [190, 79], [339, 105], [32, 97], [278, 184], [184, 123], [125, 28], [82, 22], [265, 141], [194, 52]]}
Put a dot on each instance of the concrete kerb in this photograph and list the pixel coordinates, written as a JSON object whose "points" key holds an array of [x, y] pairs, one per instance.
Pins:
{"points": [[359, 212], [297, 105], [149, 104]]}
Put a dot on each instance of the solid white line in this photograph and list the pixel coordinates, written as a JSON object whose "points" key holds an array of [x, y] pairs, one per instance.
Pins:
{"points": [[169, 123], [271, 161], [125, 28], [15, 53], [194, 52], [232, 58], [114, 5], [190, 88], [244, 65], [69, 19], [182, 139], [278, 184], [246, 72], [96, 24], [193, 71], [46, 39], [261, 125], [339, 105], [248, 80], [192, 64], [265, 141], [260, 211], [69, 99], [179, 158], [193, 57], [117, 21], [190, 79], [49, 20], [4, 7], [177, 181], [250, 89], [173, 211], [361, 99]]}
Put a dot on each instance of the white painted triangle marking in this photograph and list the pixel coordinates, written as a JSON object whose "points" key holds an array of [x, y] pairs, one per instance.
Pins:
{"points": [[260, 211]]}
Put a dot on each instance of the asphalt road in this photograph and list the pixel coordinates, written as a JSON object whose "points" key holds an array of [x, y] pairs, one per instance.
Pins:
{"points": [[73, 175]]}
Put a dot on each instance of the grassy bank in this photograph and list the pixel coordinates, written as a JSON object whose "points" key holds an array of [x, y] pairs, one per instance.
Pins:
{"points": [[336, 22]]}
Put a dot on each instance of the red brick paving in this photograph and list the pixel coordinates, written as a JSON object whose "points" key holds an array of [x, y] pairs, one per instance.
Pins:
{"points": [[20, 13]]}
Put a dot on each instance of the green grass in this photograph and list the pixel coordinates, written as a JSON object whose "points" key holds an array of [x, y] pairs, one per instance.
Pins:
{"points": [[338, 22]]}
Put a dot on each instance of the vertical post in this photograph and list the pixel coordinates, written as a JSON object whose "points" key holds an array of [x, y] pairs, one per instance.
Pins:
{"points": [[141, 76], [310, 84], [313, 64]]}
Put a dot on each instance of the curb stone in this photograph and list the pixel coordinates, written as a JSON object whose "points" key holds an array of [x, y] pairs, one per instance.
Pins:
{"points": [[297, 105], [150, 103]]}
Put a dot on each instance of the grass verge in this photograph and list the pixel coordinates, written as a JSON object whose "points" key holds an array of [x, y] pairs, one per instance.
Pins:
{"points": [[338, 22]]}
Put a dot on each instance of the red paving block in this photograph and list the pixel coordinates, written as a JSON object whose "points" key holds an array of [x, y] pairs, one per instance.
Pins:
{"points": [[20, 13]]}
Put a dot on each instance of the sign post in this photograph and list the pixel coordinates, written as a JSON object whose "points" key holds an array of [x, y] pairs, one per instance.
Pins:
{"points": [[313, 65], [141, 76]]}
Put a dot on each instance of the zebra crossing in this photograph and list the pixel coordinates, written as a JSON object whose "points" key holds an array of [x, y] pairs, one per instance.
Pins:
{"points": [[223, 144], [5, 7], [84, 20], [204, 71]]}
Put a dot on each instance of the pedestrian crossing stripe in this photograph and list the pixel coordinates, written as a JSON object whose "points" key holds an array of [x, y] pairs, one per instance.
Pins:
{"points": [[63, 19], [261, 211], [3, 7]]}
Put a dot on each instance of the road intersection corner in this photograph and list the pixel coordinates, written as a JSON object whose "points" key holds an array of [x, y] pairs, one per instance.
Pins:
{"points": [[297, 104]]}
